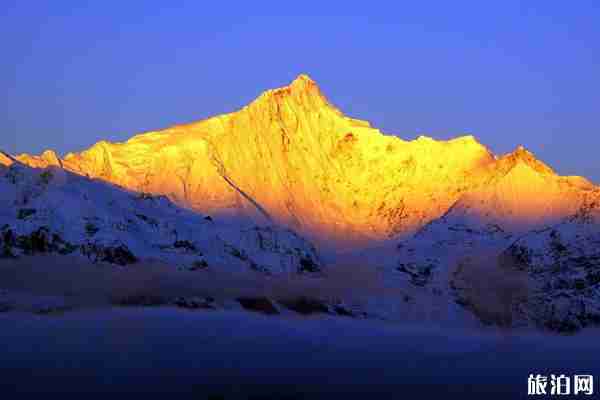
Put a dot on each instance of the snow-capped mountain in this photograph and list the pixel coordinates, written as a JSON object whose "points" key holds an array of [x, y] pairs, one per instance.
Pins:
{"points": [[564, 262], [293, 158], [53, 210], [524, 218], [433, 215]]}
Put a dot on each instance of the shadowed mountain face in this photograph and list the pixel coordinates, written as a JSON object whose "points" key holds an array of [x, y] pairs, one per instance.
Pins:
{"points": [[51, 210], [292, 158]]}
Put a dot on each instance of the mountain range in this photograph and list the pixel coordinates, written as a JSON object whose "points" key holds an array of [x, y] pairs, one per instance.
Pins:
{"points": [[292, 161], [292, 158]]}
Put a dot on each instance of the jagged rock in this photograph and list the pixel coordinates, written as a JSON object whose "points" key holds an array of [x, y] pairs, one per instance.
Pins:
{"points": [[419, 275], [185, 244], [339, 310], [306, 306], [26, 212], [561, 315], [345, 310], [7, 242], [38, 241], [198, 265], [91, 229], [308, 265], [564, 264], [258, 304], [118, 254]]}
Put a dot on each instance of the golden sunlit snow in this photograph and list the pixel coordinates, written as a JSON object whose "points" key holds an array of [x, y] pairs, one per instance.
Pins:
{"points": [[292, 157]]}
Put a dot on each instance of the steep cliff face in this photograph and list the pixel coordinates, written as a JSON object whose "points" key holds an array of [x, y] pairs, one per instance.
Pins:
{"points": [[292, 158]]}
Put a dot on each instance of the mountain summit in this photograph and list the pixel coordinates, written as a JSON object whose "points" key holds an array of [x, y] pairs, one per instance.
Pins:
{"points": [[290, 157], [446, 224]]}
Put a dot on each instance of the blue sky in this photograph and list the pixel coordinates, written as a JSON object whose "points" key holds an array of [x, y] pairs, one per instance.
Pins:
{"points": [[509, 72]]}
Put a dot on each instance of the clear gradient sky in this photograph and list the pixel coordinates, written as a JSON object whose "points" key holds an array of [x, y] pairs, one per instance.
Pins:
{"points": [[508, 72]]}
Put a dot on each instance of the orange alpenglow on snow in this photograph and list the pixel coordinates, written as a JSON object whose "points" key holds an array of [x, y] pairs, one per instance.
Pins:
{"points": [[5, 159], [292, 158]]}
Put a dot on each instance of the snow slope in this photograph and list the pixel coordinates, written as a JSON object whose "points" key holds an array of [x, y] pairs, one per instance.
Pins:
{"points": [[53, 210], [525, 220]]}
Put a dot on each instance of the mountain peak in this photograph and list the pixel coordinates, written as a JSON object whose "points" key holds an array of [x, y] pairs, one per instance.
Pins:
{"points": [[302, 91], [523, 156], [302, 80], [292, 155], [303, 84], [51, 157], [44, 160], [522, 152]]}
